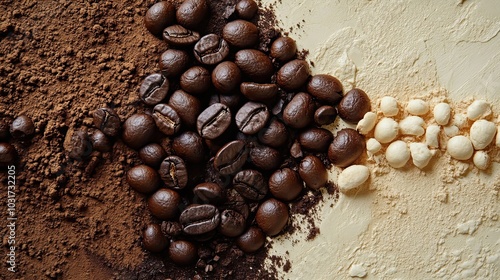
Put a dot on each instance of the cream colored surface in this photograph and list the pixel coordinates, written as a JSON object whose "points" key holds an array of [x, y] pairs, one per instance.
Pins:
{"points": [[438, 223]]}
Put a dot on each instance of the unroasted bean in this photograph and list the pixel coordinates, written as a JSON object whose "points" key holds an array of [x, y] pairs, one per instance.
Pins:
{"points": [[231, 157], [250, 184], [241, 33], [346, 147], [293, 74], [255, 64], [252, 117], [326, 88], [173, 172], [177, 35], [214, 121], [313, 172], [166, 118], [211, 49], [199, 219]]}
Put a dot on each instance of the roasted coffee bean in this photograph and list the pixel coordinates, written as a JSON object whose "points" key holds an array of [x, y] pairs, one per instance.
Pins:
{"points": [[299, 112], [177, 35], [192, 12], [326, 88], [283, 49], [250, 184], [313, 172], [78, 144], [196, 80], [164, 204], [241, 33], [255, 64], [325, 115], [259, 92], [189, 146], [166, 118], [209, 192], [4, 129], [8, 154], [232, 101], [152, 154], [22, 127], [213, 121], [296, 150], [138, 130], [226, 77], [346, 147], [199, 219], [232, 223], [153, 89], [107, 121], [274, 134], [171, 228], [159, 16], [285, 184], [246, 9], [272, 216], [174, 62], [265, 158], [251, 240], [100, 142], [173, 172], [187, 107], [236, 202], [182, 252], [143, 179], [153, 239], [315, 139], [354, 105], [231, 157], [293, 74], [252, 117], [211, 49]]}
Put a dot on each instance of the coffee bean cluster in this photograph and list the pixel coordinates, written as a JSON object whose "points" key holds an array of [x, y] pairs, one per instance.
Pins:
{"points": [[21, 128], [243, 130]]}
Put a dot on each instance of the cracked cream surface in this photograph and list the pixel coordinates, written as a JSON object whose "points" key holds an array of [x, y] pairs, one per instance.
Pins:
{"points": [[439, 222]]}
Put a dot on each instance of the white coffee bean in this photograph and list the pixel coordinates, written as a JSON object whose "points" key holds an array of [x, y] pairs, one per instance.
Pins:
{"points": [[482, 133], [432, 136], [478, 109], [397, 154], [442, 113], [373, 146], [497, 142], [352, 177], [386, 130], [412, 125], [460, 147], [460, 120], [417, 107], [451, 130], [367, 123], [389, 106], [420, 154], [481, 160]]}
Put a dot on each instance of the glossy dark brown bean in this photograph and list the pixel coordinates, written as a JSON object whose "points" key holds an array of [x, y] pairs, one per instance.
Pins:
{"points": [[173, 172], [171, 228], [272, 216], [199, 219], [8, 154], [4, 129], [346, 147], [246, 9], [159, 16], [232, 101], [265, 158], [166, 118], [326, 88], [173, 62], [293, 74], [211, 49], [180, 101], [152, 154], [191, 13], [153, 89], [259, 92], [213, 121], [313, 172], [226, 77], [22, 127], [325, 115], [299, 112], [143, 179], [275, 134], [209, 192], [138, 130], [250, 184], [285, 184], [153, 239], [231, 157], [177, 35], [252, 117], [255, 64], [232, 223], [100, 142], [79, 146], [196, 80], [189, 146], [283, 49], [315, 139], [241, 33], [107, 121], [251, 240], [164, 204], [354, 105], [183, 252], [236, 202]]}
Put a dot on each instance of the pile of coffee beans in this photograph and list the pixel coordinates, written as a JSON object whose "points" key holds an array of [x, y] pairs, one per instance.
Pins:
{"points": [[22, 129], [241, 128]]}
